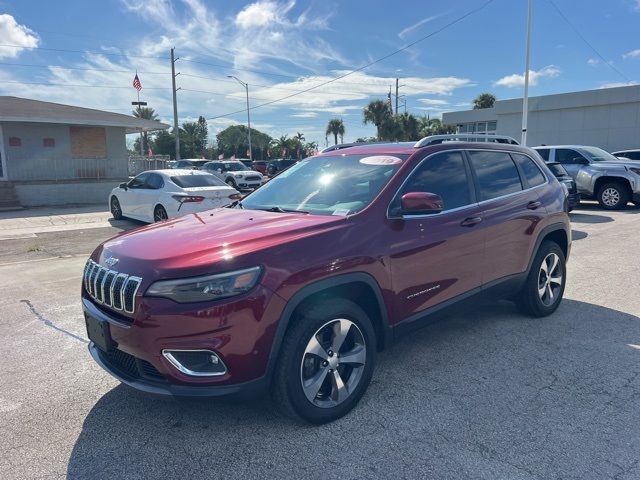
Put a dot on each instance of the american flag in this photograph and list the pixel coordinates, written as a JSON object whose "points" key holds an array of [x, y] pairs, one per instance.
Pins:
{"points": [[389, 102], [136, 83]]}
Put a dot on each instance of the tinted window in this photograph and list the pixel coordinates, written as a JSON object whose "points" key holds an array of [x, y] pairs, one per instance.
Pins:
{"points": [[140, 181], [567, 156], [155, 181], [445, 175], [557, 169], [544, 153], [529, 169], [497, 174], [188, 181]]}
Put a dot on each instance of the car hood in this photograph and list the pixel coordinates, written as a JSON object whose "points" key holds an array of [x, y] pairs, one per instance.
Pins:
{"points": [[191, 244], [615, 164], [245, 173]]}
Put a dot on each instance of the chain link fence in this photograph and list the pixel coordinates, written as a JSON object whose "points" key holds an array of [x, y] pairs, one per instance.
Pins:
{"points": [[139, 164]]}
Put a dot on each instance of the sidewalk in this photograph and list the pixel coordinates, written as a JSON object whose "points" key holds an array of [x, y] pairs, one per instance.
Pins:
{"points": [[26, 223]]}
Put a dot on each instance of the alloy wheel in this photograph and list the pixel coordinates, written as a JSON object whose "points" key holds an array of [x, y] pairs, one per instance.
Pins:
{"points": [[160, 214], [610, 197], [333, 363], [550, 279], [115, 208]]}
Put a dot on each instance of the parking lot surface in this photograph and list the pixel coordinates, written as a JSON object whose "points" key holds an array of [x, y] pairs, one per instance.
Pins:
{"points": [[486, 394]]}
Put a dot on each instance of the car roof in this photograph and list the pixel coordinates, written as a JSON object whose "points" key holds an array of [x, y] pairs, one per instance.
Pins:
{"points": [[631, 150], [563, 146], [408, 148], [172, 172]]}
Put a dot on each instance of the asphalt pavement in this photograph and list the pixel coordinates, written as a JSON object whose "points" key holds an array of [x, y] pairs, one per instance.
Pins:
{"points": [[488, 394]]}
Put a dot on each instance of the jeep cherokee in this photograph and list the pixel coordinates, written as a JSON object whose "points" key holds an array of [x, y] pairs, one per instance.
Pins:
{"points": [[299, 285]]}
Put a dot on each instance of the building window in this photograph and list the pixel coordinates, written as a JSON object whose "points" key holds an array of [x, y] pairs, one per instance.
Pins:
{"points": [[15, 142], [88, 142], [492, 126], [49, 142]]}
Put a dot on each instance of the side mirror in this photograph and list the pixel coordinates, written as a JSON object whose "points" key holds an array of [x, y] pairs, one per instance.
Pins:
{"points": [[421, 202], [580, 161], [123, 186]]}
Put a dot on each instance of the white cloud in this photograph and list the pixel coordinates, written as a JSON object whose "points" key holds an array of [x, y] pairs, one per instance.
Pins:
{"points": [[12, 33], [304, 115], [517, 80], [416, 25], [433, 102], [617, 84], [633, 53], [593, 61], [257, 14]]}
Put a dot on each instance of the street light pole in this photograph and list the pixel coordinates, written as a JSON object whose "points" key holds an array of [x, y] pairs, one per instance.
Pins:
{"points": [[246, 87], [525, 99]]}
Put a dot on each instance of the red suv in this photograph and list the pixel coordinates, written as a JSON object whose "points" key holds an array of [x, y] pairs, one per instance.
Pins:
{"points": [[299, 285]]}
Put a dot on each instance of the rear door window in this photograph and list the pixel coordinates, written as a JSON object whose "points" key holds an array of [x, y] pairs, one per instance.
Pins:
{"points": [[531, 172], [496, 174], [443, 174], [155, 181], [567, 156]]}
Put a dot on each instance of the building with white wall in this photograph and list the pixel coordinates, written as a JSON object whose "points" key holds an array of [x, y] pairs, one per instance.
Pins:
{"points": [[53, 154], [608, 118]]}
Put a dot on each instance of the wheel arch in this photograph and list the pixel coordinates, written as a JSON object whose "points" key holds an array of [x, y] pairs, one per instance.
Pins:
{"points": [[604, 179], [556, 232], [359, 287]]}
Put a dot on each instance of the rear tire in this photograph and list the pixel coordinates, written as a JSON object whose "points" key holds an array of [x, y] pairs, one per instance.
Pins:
{"points": [[232, 183], [116, 209], [543, 290], [613, 196], [159, 214], [314, 383]]}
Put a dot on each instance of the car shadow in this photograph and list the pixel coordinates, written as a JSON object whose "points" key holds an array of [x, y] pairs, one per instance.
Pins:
{"points": [[126, 224], [493, 388], [578, 235], [595, 207], [589, 218]]}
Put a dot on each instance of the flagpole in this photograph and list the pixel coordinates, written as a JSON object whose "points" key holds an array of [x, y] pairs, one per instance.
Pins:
{"points": [[140, 113], [525, 99]]}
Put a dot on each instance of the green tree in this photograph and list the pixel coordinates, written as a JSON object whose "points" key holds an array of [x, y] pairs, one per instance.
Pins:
{"points": [[335, 127], [298, 138], [484, 100], [377, 112], [146, 113], [193, 138], [310, 148], [234, 140], [433, 126], [164, 143]]}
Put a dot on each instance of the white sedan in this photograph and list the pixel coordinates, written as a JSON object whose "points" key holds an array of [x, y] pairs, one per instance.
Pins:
{"points": [[156, 195]]}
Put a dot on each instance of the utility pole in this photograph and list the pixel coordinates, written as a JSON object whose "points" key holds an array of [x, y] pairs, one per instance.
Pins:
{"points": [[397, 95], [176, 130], [246, 87], [525, 99]]}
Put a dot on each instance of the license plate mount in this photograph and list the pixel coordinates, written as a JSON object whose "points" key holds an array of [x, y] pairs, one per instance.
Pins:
{"points": [[99, 333]]}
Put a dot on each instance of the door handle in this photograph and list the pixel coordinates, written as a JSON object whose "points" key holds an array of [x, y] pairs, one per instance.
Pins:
{"points": [[471, 221], [533, 205]]}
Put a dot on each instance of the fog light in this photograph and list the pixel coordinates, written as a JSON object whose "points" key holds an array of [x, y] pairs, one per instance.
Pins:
{"points": [[196, 363]]}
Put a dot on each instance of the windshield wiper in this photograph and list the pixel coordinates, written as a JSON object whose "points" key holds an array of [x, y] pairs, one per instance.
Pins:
{"points": [[236, 203], [278, 209]]}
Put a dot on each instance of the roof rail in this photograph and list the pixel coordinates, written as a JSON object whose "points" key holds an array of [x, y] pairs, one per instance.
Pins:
{"points": [[464, 137], [340, 146]]}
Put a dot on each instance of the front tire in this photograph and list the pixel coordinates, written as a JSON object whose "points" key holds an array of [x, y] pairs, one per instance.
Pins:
{"points": [[543, 290], [613, 196], [159, 214], [326, 362], [116, 209], [232, 183]]}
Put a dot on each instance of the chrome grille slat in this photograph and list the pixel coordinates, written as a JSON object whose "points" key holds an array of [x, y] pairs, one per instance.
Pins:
{"points": [[111, 288]]}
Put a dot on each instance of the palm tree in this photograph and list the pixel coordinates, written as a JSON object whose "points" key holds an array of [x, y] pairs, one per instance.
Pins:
{"points": [[335, 127], [376, 112], [298, 138], [484, 100], [310, 148], [146, 113], [282, 144]]}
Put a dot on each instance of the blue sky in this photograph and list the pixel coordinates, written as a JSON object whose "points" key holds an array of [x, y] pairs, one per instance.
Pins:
{"points": [[282, 47]]}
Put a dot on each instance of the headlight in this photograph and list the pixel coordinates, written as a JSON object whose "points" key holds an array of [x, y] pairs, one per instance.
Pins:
{"points": [[206, 288], [635, 170], [238, 175]]}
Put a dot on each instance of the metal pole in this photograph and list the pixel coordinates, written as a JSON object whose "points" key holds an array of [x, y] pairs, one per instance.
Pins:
{"points": [[246, 86], [397, 96], [176, 131], [140, 113], [525, 100]]}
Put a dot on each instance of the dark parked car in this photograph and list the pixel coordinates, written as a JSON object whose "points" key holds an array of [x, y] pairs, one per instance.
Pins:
{"points": [[259, 166], [276, 166], [193, 163], [299, 285], [573, 200], [633, 154]]}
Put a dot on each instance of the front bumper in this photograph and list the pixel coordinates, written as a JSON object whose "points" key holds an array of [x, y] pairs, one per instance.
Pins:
{"points": [[240, 331]]}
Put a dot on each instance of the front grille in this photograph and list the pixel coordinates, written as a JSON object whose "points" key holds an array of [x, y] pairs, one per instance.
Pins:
{"points": [[254, 178], [129, 366], [110, 288]]}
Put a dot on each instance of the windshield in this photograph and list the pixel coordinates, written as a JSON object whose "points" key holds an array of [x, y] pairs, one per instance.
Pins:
{"points": [[598, 155], [233, 166], [557, 169], [336, 185], [189, 181]]}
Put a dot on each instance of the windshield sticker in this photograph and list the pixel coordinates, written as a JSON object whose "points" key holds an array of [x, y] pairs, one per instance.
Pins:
{"points": [[380, 160], [342, 212]]}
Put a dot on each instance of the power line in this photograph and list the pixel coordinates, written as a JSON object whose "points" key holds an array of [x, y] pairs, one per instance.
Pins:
{"points": [[80, 68], [63, 50], [402, 49], [564, 17], [79, 85]]}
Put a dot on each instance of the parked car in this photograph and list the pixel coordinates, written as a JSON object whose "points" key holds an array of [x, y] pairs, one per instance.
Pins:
{"points": [[573, 199], [598, 174], [156, 195], [633, 154], [276, 166], [246, 162], [299, 285], [234, 173], [190, 163], [259, 166]]}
